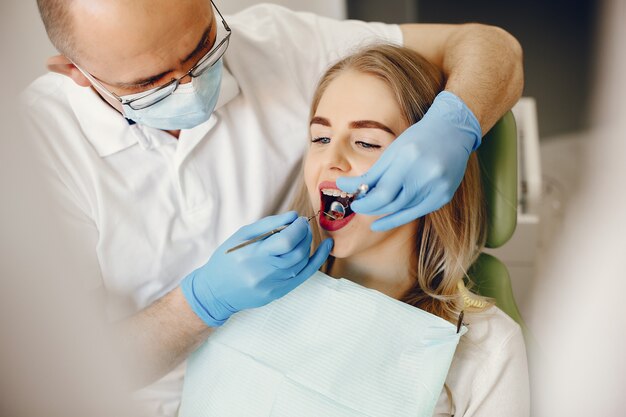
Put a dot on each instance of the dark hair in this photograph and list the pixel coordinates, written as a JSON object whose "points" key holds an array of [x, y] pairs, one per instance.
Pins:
{"points": [[58, 23]]}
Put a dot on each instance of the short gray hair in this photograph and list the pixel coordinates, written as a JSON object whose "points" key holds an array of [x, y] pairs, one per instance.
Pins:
{"points": [[58, 23]]}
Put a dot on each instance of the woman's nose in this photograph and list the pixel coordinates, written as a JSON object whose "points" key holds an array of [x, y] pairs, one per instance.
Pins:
{"points": [[338, 158]]}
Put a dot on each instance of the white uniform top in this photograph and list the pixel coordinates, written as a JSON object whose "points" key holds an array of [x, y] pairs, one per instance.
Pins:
{"points": [[488, 376], [151, 208]]}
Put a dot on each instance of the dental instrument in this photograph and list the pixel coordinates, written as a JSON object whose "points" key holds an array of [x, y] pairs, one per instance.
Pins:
{"points": [[361, 191], [268, 234], [338, 210]]}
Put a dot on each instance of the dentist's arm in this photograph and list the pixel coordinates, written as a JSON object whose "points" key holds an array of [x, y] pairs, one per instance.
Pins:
{"points": [[421, 170], [158, 338], [482, 64], [166, 332]]}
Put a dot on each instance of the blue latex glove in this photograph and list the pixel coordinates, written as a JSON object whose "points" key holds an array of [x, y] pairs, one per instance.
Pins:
{"points": [[420, 171], [256, 274]]}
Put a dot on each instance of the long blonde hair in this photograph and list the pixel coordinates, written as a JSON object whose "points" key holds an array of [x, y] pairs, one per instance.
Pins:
{"points": [[450, 239]]}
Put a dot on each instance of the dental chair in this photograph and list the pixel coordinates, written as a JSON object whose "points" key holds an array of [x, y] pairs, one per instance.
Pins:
{"points": [[497, 158]]}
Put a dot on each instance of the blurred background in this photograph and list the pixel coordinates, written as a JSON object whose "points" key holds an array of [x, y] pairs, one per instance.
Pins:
{"points": [[568, 256]]}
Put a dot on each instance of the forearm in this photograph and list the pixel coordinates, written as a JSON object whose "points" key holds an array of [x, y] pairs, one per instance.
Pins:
{"points": [[161, 336], [482, 65]]}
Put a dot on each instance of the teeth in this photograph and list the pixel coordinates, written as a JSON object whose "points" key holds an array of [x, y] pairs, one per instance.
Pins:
{"points": [[333, 192]]}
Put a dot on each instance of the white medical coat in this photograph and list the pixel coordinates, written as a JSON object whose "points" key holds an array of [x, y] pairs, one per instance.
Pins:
{"points": [[153, 208]]}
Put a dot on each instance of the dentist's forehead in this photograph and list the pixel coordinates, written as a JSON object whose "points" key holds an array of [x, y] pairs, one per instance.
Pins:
{"points": [[136, 35]]}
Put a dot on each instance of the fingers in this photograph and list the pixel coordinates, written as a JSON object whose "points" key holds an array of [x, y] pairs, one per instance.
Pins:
{"points": [[371, 177], [265, 225], [301, 252], [313, 265], [386, 191], [401, 201], [434, 199], [394, 220], [287, 240]]}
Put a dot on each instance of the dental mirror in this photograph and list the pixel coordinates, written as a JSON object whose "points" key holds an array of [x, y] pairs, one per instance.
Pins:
{"points": [[337, 210]]}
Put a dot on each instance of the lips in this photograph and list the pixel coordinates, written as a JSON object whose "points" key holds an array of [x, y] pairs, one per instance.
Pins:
{"points": [[329, 193]]}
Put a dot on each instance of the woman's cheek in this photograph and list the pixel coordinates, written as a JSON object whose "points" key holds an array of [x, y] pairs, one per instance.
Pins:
{"points": [[308, 176], [310, 179]]}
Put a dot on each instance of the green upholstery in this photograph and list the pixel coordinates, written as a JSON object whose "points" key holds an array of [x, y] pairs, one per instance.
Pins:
{"points": [[497, 158], [491, 279]]}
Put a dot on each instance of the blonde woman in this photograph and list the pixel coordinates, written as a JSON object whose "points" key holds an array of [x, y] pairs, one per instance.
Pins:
{"points": [[361, 105]]}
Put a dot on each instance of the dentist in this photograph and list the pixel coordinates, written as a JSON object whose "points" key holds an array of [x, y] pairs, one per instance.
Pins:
{"points": [[166, 127]]}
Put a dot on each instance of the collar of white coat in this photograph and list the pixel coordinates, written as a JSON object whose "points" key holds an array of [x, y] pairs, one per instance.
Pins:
{"points": [[109, 132]]}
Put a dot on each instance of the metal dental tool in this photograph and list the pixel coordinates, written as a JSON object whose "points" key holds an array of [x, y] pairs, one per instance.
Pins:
{"points": [[337, 213], [361, 191], [339, 210], [268, 234]]}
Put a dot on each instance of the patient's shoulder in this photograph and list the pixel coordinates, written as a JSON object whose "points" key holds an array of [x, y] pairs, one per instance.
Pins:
{"points": [[489, 369], [489, 331]]}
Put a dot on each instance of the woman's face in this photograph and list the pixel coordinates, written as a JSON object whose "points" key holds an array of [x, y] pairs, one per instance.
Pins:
{"points": [[356, 120]]}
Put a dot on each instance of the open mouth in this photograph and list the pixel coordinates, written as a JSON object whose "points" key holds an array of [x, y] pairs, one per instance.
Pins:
{"points": [[335, 207]]}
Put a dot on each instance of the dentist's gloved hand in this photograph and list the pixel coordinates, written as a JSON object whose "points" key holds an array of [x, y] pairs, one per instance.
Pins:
{"points": [[420, 171], [256, 274]]}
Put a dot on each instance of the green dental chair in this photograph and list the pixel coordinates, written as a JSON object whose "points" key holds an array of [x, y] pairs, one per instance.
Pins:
{"points": [[497, 158]]}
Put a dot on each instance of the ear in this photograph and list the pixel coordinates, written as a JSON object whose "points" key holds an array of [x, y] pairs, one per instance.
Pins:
{"points": [[60, 64]]}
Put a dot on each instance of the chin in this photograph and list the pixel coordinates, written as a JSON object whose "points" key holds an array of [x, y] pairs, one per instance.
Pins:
{"points": [[341, 249]]}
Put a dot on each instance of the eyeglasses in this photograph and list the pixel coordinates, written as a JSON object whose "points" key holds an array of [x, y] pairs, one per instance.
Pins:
{"points": [[151, 97]]}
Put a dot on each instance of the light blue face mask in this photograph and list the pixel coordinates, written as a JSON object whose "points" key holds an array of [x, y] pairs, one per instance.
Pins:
{"points": [[187, 107]]}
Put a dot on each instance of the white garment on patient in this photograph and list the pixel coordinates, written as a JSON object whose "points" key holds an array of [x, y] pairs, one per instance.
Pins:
{"points": [[489, 373], [329, 348]]}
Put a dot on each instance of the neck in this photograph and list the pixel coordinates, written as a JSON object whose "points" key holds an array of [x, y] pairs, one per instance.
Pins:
{"points": [[385, 268], [175, 133]]}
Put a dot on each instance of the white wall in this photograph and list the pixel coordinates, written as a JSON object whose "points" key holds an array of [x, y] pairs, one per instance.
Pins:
{"points": [[330, 8], [23, 38]]}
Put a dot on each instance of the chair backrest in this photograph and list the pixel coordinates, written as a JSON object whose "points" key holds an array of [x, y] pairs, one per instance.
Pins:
{"points": [[497, 158]]}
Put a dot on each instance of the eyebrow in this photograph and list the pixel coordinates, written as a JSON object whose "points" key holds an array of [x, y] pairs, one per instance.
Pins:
{"points": [[200, 46], [149, 80], [358, 124]]}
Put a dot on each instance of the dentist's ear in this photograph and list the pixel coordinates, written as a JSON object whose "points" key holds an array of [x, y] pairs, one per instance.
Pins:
{"points": [[61, 65]]}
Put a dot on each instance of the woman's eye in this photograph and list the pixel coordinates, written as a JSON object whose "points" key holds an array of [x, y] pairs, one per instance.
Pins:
{"points": [[323, 140], [366, 145]]}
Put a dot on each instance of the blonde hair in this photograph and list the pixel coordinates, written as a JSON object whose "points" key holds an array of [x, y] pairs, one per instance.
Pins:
{"points": [[450, 239]]}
